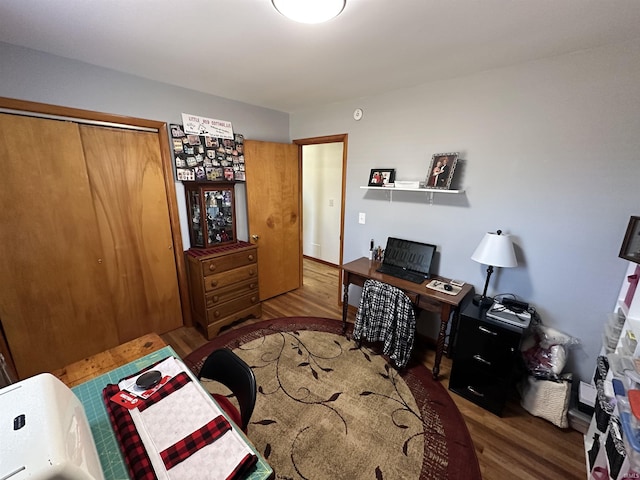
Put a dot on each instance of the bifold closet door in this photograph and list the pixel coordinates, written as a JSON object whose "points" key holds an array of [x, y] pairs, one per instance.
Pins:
{"points": [[130, 200], [54, 304]]}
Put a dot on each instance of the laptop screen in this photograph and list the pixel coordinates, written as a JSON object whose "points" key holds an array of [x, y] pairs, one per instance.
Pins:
{"points": [[409, 255]]}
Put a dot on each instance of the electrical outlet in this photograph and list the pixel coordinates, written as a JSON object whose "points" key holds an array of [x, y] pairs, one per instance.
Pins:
{"points": [[362, 217]]}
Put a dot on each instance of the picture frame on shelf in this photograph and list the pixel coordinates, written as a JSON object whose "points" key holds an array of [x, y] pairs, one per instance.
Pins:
{"points": [[630, 249], [441, 170], [380, 177]]}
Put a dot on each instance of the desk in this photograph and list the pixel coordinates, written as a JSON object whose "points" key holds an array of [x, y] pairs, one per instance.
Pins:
{"points": [[358, 271], [90, 394]]}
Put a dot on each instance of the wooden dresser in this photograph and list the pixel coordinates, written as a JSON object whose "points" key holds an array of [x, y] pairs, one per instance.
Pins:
{"points": [[223, 285]]}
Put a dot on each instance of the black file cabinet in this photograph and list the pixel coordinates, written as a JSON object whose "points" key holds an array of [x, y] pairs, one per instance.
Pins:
{"points": [[487, 359]]}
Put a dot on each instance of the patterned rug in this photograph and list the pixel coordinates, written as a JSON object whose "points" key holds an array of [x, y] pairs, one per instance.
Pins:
{"points": [[329, 410]]}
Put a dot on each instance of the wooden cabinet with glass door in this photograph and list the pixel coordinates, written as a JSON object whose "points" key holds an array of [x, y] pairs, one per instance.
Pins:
{"points": [[211, 209]]}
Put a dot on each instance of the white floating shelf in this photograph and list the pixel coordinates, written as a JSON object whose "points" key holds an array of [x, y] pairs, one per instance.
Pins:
{"points": [[428, 191]]}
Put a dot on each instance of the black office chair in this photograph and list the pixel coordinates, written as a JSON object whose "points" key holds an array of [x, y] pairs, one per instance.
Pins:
{"points": [[226, 367]]}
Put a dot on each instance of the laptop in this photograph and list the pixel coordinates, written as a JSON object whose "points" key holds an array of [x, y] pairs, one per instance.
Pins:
{"points": [[407, 260]]}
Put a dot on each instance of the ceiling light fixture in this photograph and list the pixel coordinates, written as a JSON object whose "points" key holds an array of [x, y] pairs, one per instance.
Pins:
{"points": [[309, 11]]}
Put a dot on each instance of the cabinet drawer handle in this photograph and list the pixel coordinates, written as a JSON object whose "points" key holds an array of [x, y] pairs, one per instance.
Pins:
{"points": [[486, 330], [252, 272], [216, 314], [474, 391], [481, 360], [250, 257], [253, 299], [212, 267], [216, 298], [252, 286], [214, 283]]}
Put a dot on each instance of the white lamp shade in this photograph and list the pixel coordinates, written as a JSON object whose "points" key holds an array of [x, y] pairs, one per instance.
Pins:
{"points": [[496, 250], [309, 11]]}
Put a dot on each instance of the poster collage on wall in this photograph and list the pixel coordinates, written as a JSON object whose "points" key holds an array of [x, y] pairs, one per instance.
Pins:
{"points": [[203, 158]]}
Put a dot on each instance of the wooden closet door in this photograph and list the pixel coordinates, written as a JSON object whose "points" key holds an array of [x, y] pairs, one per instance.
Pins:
{"points": [[130, 199], [54, 306]]}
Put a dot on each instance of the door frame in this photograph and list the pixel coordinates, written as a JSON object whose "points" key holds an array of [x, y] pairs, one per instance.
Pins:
{"points": [[44, 110], [344, 139]]}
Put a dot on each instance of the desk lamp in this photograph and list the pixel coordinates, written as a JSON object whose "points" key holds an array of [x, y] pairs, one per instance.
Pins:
{"points": [[495, 250]]}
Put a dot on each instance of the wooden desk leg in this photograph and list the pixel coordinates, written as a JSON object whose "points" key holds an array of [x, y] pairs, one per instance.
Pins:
{"points": [[345, 302], [444, 322], [455, 320]]}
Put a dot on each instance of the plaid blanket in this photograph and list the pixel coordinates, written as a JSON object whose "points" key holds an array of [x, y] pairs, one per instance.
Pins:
{"points": [[209, 447], [386, 315]]}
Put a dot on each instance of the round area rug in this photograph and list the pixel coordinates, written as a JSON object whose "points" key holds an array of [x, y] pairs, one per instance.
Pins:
{"points": [[329, 410]]}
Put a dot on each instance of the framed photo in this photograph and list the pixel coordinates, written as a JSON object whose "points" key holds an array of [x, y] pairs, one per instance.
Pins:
{"points": [[381, 176], [441, 170], [630, 249]]}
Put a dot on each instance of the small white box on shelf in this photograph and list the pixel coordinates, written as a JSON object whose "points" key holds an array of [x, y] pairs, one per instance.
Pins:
{"points": [[407, 184]]}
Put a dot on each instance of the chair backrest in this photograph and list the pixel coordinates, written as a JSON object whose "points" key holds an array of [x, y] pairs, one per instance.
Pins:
{"points": [[226, 367]]}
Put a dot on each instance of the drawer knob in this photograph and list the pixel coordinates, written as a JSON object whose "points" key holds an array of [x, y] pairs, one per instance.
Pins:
{"points": [[253, 299], [216, 298], [216, 314], [478, 358], [252, 286], [212, 267], [250, 257], [474, 391], [486, 330], [214, 283], [252, 272]]}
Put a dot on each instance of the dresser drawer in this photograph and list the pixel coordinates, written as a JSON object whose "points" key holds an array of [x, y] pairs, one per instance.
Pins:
{"points": [[498, 366], [487, 347], [224, 294], [222, 310], [226, 262], [483, 389], [221, 280]]}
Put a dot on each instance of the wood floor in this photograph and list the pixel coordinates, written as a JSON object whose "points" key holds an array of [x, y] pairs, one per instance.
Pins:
{"points": [[515, 446]]}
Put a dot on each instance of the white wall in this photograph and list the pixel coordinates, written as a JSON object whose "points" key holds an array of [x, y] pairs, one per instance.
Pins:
{"points": [[39, 77], [551, 155], [322, 200]]}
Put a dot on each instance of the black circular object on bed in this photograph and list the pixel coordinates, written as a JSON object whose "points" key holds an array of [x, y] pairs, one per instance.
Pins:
{"points": [[149, 379]]}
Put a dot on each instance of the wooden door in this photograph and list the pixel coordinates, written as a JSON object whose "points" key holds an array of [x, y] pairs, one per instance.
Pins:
{"points": [[55, 306], [129, 196], [273, 206]]}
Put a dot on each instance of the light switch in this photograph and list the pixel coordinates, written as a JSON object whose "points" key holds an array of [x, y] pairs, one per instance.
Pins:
{"points": [[362, 217]]}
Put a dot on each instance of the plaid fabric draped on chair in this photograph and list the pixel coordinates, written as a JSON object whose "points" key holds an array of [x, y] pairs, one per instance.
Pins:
{"points": [[386, 315]]}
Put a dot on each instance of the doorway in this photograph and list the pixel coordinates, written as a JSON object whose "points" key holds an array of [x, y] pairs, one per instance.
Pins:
{"points": [[323, 163]]}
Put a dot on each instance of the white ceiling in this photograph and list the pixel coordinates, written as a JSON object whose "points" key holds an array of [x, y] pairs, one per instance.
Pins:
{"points": [[245, 50]]}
